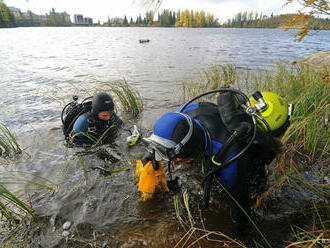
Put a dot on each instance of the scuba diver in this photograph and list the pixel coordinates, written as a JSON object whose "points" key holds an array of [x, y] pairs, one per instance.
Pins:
{"points": [[234, 139], [89, 121]]}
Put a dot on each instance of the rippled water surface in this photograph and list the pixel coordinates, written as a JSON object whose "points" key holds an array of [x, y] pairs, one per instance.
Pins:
{"points": [[41, 68]]}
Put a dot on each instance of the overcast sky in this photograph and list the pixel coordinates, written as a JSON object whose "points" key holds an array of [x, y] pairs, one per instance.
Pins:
{"points": [[101, 9]]}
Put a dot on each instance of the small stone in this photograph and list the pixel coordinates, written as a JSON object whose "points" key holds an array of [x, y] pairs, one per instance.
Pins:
{"points": [[65, 234], [66, 225]]}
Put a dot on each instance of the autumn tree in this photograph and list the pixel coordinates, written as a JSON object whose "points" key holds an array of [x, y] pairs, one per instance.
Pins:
{"points": [[309, 9]]}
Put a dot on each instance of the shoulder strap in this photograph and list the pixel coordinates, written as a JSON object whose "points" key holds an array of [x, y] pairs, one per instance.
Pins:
{"points": [[91, 122]]}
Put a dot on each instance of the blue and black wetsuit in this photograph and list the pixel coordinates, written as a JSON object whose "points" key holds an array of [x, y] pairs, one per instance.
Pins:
{"points": [[94, 127], [88, 128]]}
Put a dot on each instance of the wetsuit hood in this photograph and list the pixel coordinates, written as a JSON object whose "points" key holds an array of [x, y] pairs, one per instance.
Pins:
{"points": [[101, 102], [172, 128]]}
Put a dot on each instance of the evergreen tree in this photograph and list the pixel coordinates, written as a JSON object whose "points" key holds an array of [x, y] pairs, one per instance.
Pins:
{"points": [[125, 22], [7, 19], [139, 19]]}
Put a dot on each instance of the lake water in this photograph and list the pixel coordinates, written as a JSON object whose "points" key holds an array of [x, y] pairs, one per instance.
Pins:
{"points": [[42, 68]]}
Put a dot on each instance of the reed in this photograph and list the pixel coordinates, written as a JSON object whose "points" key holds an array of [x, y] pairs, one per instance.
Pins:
{"points": [[8, 143], [198, 236], [318, 234], [11, 207], [129, 98], [308, 89], [209, 79]]}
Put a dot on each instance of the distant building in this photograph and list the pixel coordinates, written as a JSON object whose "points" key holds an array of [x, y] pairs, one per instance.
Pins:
{"points": [[78, 19], [81, 20], [88, 20], [66, 16], [16, 12], [116, 21]]}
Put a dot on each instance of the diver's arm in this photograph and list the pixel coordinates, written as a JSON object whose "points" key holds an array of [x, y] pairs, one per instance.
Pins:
{"points": [[80, 126]]}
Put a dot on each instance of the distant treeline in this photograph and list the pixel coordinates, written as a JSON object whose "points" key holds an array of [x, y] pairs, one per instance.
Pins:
{"points": [[7, 19], [168, 18], [12, 17], [190, 18], [258, 20]]}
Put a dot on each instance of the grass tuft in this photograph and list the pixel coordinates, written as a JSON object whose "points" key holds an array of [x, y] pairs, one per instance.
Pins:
{"points": [[129, 98], [8, 143]]}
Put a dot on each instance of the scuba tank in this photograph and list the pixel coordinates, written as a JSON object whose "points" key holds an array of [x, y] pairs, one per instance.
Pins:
{"points": [[72, 111]]}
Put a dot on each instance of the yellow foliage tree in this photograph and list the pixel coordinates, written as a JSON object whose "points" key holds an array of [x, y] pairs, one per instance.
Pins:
{"points": [[309, 9]]}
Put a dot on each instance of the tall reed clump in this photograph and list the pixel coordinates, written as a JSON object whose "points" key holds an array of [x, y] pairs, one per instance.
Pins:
{"points": [[8, 143], [307, 89], [209, 79], [129, 98]]}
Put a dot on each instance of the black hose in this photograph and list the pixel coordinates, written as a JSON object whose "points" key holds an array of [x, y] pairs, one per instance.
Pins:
{"points": [[216, 91], [64, 111], [228, 162]]}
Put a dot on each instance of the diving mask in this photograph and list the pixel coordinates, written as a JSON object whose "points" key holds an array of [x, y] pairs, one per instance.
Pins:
{"points": [[165, 149]]}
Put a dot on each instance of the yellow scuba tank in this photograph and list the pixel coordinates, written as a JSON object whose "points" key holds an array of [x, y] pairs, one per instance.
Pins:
{"points": [[274, 109]]}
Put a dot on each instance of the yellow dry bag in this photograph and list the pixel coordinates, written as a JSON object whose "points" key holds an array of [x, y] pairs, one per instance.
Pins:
{"points": [[150, 179]]}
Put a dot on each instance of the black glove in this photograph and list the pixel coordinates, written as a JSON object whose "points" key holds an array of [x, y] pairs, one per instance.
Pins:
{"points": [[150, 156]]}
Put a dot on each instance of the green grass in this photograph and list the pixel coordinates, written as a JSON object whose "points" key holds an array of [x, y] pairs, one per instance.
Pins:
{"points": [[8, 143], [129, 98], [11, 207], [307, 89]]}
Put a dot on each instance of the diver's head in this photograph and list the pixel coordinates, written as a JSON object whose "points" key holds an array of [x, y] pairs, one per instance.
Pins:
{"points": [[102, 106], [177, 135]]}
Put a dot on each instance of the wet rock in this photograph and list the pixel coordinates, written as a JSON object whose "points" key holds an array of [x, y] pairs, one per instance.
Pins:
{"points": [[66, 225], [315, 61], [65, 234]]}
